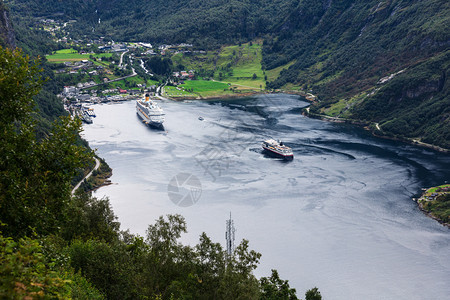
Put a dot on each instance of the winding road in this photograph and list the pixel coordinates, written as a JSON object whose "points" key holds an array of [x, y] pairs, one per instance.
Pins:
{"points": [[121, 58], [97, 165]]}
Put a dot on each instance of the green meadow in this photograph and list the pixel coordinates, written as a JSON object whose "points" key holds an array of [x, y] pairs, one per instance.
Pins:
{"points": [[205, 87], [274, 73], [198, 88], [434, 189], [237, 65], [173, 92], [72, 55]]}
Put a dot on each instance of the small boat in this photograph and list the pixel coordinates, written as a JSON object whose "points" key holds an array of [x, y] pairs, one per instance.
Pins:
{"points": [[278, 149], [91, 112], [200, 118]]}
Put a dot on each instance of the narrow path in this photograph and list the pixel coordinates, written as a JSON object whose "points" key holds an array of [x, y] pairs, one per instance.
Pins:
{"points": [[377, 126], [160, 92], [145, 70], [97, 165], [121, 58]]}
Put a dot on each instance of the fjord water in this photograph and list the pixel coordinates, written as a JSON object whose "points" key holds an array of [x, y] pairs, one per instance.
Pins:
{"points": [[339, 216]]}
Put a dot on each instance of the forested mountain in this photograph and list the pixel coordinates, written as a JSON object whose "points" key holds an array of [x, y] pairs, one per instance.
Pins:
{"points": [[7, 36], [385, 62], [205, 23], [346, 51], [339, 50]]}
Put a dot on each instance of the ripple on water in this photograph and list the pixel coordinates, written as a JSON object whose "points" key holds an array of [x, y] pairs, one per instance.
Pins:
{"points": [[339, 216]]}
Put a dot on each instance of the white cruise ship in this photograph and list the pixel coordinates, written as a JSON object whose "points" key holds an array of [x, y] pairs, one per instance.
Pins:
{"points": [[150, 112]]}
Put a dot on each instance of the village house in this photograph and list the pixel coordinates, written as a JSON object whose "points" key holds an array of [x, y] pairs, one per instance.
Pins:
{"points": [[184, 74], [145, 45], [84, 97], [134, 92], [69, 90]]}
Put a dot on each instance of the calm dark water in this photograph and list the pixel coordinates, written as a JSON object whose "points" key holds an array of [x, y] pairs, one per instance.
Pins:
{"points": [[339, 216]]}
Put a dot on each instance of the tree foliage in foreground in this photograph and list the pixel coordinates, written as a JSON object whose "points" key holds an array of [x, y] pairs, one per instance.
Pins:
{"points": [[35, 174], [25, 273], [161, 267], [76, 249]]}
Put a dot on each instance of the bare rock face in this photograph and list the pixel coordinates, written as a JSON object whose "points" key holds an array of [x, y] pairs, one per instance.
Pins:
{"points": [[7, 36]]}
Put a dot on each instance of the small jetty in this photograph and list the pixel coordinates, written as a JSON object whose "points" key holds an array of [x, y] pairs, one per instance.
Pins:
{"points": [[84, 113]]}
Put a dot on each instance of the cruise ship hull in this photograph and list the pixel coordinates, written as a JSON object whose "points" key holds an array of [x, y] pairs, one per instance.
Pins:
{"points": [[277, 154], [150, 113], [147, 120]]}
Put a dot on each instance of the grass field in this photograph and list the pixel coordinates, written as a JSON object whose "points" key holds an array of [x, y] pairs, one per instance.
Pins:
{"points": [[66, 55], [151, 82], [72, 55], [274, 73], [173, 92], [341, 108], [243, 62], [204, 86], [434, 189], [231, 64], [199, 88]]}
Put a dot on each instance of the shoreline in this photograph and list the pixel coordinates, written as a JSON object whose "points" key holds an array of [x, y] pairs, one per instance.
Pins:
{"points": [[218, 97], [238, 95], [430, 215], [93, 181], [366, 126]]}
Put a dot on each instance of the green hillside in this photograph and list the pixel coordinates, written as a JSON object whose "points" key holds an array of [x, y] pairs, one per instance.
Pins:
{"points": [[207, 23], [338, 50], [345, 53], [238, 64]]}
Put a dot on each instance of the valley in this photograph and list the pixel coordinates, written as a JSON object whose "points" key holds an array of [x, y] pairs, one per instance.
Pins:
{"points": [[227, 75]]}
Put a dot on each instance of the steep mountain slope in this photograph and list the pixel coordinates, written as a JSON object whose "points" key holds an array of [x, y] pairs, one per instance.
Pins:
{"points": [[7, 36], [207, 23], [343, 50], [33, 42], [347, 41]]}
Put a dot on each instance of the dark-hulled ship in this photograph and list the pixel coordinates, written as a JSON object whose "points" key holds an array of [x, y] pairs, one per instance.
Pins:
{"points": [[277, 149]]}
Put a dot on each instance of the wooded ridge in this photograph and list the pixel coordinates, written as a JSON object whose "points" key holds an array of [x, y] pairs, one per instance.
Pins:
{"points": [[338, 50]]}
